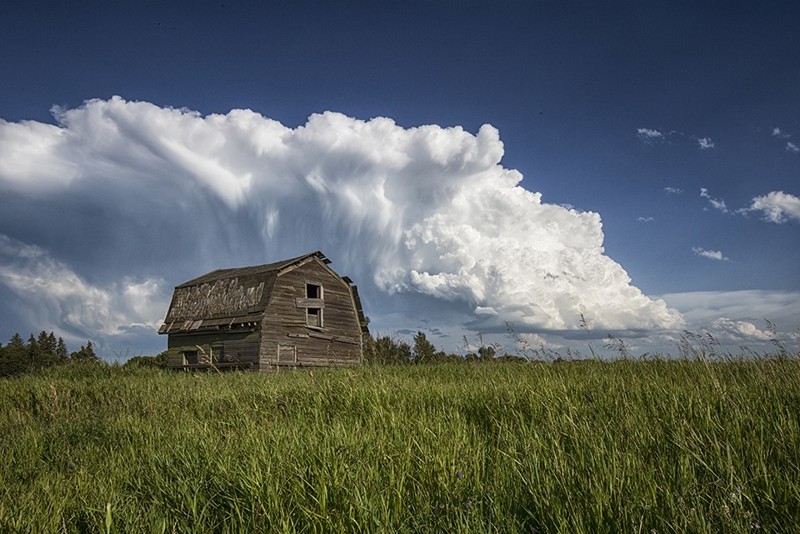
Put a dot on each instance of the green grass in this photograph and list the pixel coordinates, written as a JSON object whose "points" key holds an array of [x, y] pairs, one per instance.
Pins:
{"points": [[664, 446]]}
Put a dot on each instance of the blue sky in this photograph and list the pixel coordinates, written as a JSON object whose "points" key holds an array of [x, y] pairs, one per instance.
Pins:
{"points": [[677, 124]]}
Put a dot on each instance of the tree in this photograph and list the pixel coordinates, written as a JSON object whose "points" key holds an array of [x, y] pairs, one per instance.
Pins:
{"points": [[152, 362], [16, 341], [14, 358], [47, 342], [44, 350], [62, 354], [45, 354], [386, 350], [424, 351], [85, 354], [33, 351], [487, 352]]}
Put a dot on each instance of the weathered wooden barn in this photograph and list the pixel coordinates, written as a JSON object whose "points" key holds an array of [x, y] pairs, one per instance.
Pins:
{"points": [[292, 313]]}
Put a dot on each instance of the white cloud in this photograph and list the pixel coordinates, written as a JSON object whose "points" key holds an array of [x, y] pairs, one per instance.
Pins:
{"points": [[705, 142], [30, 148], [703, 307], [673, 190], [648, 135], [717, 204], [778, 133], [62, 300], [427, 211], [777, 207], [530, 342], [733, 316], [738, 330], [710, 254]]}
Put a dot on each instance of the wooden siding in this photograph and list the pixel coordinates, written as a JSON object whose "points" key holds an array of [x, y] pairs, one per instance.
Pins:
{"points": [[228, 348], [337, 342]]}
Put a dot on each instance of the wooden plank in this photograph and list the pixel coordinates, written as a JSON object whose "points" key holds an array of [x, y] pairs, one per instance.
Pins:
{"points": [[223, 365], [338, 339], [309, 303]]}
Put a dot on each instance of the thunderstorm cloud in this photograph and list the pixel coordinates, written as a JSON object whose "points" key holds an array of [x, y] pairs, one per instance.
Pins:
{"points": [[121, 200]]}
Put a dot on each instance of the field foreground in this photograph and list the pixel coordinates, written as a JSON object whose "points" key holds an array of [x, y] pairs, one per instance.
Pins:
{"points": [[663, 446]]}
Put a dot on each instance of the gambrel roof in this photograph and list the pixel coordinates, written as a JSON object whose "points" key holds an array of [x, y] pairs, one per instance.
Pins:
{"points": [[257, 270], [233, 298]]}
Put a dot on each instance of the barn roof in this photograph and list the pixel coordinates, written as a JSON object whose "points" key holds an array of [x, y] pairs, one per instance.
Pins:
{"points": [[256, 270], [232, 298]]}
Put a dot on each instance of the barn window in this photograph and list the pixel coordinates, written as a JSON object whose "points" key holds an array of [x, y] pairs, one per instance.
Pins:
{"points": [[218, 352], [313, 291], [313, 313], [314, 317], [190, 357]]}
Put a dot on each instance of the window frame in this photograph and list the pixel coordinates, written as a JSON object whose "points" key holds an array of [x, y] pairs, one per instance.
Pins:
{"points": [[320, 291]]}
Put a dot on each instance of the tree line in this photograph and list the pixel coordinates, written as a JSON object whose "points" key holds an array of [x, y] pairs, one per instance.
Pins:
{"points": [[387, 350], [40, 352], [46, 350]]}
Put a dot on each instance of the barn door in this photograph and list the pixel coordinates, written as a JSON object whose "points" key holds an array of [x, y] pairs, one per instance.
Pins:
{"points": [[287, 356]]}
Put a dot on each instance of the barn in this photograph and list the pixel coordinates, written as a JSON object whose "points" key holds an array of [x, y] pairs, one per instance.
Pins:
{"points": [[292, 313]]}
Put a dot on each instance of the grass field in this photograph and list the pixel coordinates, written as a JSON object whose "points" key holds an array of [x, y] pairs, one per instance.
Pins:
{"points": [[629, 446]]}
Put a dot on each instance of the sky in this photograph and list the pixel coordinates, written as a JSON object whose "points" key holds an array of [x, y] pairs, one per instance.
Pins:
{"points": [[539, 175]]}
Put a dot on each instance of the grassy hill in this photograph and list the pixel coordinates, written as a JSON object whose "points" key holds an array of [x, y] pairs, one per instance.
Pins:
{"points": [[628, 446]]}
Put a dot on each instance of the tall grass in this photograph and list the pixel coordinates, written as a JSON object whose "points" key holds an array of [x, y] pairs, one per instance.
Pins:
{"points": [[664, 446]]}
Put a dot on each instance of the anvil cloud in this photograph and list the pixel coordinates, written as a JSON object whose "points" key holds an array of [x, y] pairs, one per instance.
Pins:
{"points": [[152, 194]]}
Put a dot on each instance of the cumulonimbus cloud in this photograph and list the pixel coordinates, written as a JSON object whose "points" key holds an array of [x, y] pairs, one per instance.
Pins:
{"points": [[426, 210]]}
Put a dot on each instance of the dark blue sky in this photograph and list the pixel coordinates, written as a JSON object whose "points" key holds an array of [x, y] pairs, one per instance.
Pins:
{"points": [[567, 85]]}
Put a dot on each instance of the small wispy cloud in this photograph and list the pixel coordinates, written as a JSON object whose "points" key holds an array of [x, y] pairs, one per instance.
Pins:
{"points": [[777, 207], [716, 203], [777, 132], [710, 254], [645, 219], [705, 143], [780, 134], [649, 135], [673, 190]]}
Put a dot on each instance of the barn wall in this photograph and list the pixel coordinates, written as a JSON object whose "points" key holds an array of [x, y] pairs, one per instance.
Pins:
{"points": [[227, 347], [284, 326]]}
